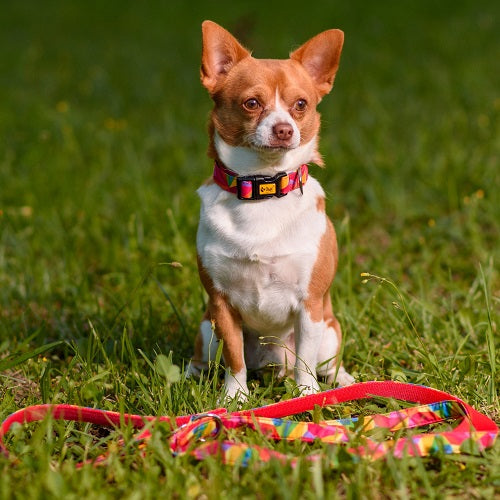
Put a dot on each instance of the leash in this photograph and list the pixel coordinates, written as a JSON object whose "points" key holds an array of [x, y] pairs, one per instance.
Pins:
{"points": [[200, 435]]}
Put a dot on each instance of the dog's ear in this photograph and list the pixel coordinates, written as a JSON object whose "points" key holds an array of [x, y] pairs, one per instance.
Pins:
{"points": [[221, 51], [320, 57]]}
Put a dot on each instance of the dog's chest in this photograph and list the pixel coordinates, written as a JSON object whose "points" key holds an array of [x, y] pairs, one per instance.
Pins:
{"points": [[261, 255]]}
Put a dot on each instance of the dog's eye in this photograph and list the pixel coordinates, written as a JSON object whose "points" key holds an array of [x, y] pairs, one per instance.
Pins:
{"points": [[300, 105], [251, 104]]}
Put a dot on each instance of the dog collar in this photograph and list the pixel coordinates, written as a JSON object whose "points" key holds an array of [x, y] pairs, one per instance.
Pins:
{"points": [[258, 187]]}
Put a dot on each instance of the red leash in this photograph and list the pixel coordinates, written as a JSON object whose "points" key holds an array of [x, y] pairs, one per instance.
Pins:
{"points": [[192, 432]]}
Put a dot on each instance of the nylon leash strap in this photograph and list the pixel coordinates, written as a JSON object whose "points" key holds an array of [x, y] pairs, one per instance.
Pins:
{"points": [[203, 435]]}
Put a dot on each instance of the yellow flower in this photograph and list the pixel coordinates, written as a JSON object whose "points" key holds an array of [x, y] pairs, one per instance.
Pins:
{"points": [[115, 124], [26, 211], [62, 106]]}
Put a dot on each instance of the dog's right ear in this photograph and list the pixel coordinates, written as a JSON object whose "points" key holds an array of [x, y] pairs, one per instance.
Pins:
{"points": [[221, 51]]}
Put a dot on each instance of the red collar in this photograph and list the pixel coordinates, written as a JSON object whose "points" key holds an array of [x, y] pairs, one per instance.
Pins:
{"points": [[258, 187]]}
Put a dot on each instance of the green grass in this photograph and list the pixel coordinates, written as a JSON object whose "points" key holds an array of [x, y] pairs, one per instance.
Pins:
{"points": [[102, 145]]}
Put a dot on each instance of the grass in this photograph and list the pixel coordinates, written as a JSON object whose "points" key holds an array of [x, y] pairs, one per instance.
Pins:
{"points": [[102, 128]]}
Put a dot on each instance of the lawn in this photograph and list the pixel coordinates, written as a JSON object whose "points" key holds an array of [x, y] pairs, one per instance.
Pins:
{"points": [[102, 146]]}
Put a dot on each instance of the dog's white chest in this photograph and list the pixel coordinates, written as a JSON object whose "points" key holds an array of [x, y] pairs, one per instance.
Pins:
{"points": [[261, 254]]}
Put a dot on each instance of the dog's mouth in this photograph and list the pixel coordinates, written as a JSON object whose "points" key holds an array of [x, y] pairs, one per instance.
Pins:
{"points": [[274, 147], [278, 147]]}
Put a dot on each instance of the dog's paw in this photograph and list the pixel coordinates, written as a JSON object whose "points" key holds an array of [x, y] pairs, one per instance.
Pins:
{"points": [[193, 370], [235, 387], [307, 384], [240, 397], [342, 378], [305, 390]]}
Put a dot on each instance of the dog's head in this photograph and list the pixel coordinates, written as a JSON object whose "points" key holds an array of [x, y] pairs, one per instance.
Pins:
{"points": [[267, 106]]}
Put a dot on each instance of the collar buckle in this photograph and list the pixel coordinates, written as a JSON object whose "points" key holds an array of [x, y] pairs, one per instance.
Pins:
{"points": [[259, 187]]}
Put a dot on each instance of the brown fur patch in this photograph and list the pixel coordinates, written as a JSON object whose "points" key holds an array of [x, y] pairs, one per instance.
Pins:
{"points": [[322, 273], [227, 322], [320, 204]]}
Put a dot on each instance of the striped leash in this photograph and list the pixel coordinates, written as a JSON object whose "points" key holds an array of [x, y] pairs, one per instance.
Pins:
{"points": [[202, 435]]}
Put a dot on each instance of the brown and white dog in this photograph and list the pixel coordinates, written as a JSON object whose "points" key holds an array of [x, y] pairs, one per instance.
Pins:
{"points": [[267, 252]]}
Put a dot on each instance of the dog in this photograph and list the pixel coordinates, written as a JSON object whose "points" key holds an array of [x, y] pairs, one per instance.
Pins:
{"points": [[267, 252]]}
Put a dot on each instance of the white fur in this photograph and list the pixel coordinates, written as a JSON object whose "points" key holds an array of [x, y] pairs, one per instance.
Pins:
{"points": [[260, 254], [308, 337], [248, 161], [235, 384]]}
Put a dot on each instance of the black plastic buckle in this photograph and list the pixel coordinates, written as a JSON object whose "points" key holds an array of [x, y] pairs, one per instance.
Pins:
{"points": [[263, 186]]}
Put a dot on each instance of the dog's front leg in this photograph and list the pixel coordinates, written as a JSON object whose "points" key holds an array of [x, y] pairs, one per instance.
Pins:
{"points": [[228, 328], [308, 335]]}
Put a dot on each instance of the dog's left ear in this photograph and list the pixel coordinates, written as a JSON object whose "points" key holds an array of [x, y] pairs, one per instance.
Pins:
{"points": [[320, 57]]}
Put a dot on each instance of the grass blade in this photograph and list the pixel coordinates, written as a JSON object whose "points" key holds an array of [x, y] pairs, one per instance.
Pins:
{"points": [[6, 364]]}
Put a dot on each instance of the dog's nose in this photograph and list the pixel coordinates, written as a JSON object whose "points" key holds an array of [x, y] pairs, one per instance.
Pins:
{"points": [[283, 131]]}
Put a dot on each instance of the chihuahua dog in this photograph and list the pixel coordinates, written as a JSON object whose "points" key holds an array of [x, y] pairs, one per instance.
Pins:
{"points": [[267, 252]]}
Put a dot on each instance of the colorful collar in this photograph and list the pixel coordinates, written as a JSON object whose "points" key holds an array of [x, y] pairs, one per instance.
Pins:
{"points": [[258, 187]]}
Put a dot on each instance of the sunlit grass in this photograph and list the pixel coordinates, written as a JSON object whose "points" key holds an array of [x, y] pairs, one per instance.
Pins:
{"points": [[102, 126]]}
